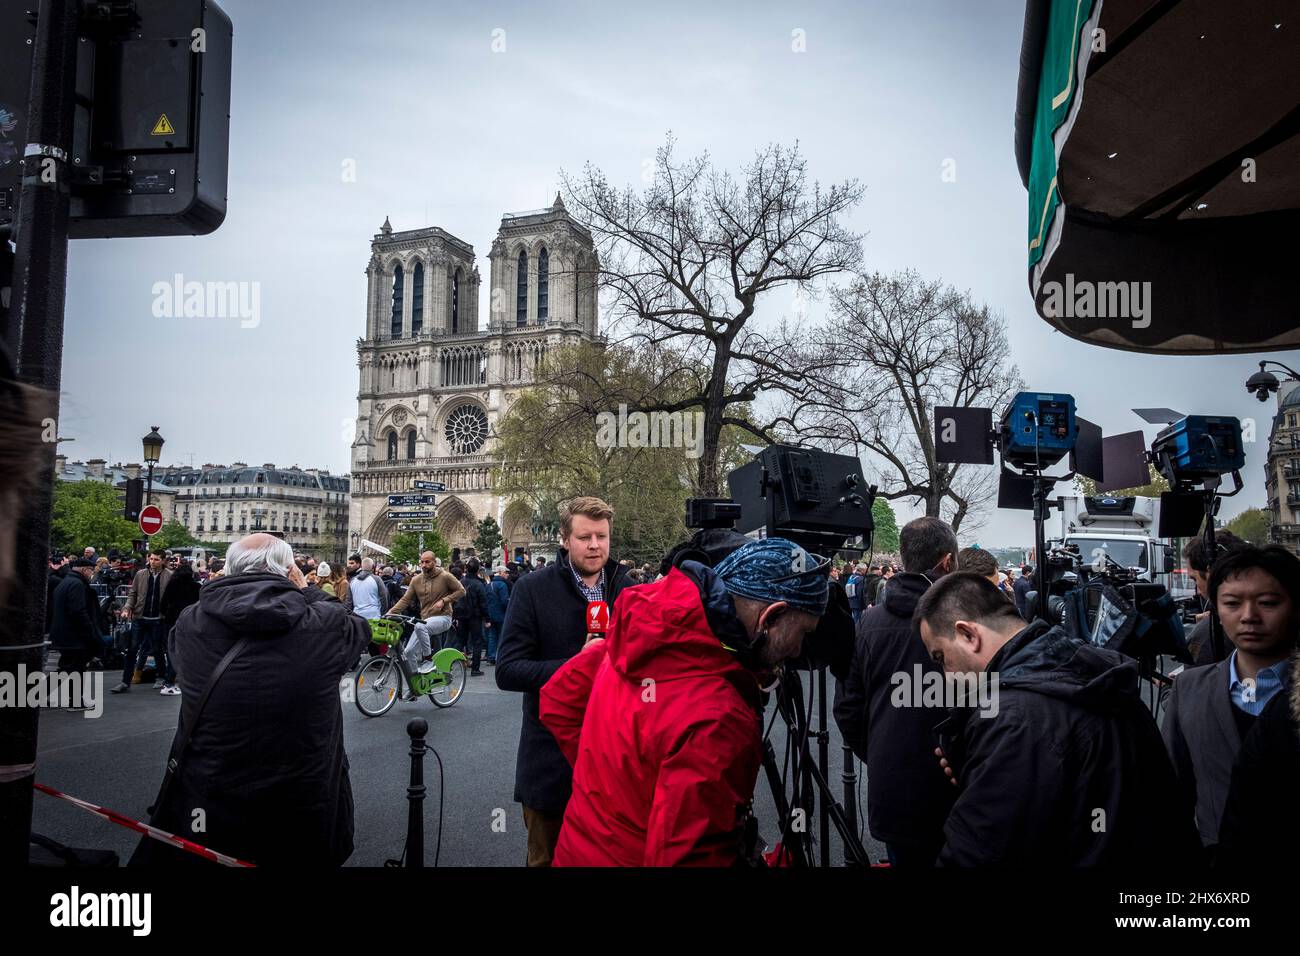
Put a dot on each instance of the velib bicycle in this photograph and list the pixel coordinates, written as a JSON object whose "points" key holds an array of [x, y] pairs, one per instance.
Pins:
{"points": [[383, 678]]}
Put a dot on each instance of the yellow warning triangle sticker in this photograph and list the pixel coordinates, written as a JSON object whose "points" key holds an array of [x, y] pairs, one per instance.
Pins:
{"points": [[163, 127]]}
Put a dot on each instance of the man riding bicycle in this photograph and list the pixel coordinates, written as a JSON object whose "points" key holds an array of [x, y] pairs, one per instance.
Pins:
{"points": [[431, 595]]}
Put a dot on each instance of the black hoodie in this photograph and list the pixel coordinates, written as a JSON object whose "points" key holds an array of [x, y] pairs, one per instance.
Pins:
{"points": [[907, 794], [1069, 771]]}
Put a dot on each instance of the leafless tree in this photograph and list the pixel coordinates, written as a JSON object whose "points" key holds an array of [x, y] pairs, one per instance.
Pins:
{"points": [[686, 263], [913, 345]]}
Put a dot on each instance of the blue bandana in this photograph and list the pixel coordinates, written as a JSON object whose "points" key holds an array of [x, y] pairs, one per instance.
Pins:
{"points": [[775, 569]]}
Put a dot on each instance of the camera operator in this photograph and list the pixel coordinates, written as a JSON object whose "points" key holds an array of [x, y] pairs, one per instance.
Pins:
{"points": [[1211, 709], [662, 720], [1068, 768], [907, 797], [1199, 560]]}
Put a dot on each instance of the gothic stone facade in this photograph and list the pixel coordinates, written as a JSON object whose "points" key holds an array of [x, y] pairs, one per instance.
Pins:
{"points": [[434, 385]]}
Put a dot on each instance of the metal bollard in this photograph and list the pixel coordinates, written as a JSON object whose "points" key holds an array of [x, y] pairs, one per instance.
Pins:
{"points": [[416, 728]]}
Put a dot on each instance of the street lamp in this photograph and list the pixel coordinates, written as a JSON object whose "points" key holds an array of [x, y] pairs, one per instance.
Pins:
{"points": [[153, 443]]}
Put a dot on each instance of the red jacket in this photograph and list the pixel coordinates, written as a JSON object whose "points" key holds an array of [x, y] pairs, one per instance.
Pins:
{"points": [[664, 744]]}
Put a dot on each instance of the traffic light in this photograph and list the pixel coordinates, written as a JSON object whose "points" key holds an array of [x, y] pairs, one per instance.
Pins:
{"points": [[152, 125], [134, 498]]}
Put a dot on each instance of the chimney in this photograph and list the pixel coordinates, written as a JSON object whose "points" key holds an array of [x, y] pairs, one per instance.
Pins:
{"points": [[96, 467], [239, 464], [132, 472]]}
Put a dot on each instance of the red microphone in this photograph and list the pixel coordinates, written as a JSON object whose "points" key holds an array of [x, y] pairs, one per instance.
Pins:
{"points": [[597, 619]]}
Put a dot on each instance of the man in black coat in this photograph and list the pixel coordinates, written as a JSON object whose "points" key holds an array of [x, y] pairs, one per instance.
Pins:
{"points": [[265, 771], [1060, 764], [469, 614], [908, 796], [74, 618], [546, 625]]}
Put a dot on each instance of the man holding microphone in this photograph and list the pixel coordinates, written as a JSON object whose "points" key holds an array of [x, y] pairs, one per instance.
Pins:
{"points": [[549, 619]]}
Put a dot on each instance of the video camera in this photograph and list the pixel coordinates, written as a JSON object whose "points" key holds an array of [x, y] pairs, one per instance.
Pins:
{"points": [[1109, 606]]}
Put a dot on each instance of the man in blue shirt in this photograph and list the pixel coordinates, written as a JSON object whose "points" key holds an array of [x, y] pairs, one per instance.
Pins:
{"points": [[1212, 707]]}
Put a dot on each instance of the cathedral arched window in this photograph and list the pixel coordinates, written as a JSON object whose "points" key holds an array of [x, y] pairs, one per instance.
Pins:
{"points": [[455, 302], [521, 291], [392, 446], [417, 298], [543, 281], [410, 443], [396, 326]]}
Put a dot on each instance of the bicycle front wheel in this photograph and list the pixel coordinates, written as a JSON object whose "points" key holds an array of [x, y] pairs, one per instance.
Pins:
{"points": [[378, 683], [453, 685]]}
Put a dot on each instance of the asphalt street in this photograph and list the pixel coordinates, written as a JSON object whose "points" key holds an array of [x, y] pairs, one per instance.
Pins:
{"points": [[116, 760]]}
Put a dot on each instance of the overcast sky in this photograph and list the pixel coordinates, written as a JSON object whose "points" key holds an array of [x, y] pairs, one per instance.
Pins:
{"points": [[444, 131]]}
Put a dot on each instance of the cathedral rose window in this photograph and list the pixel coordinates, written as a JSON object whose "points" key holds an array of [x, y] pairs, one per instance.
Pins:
{"points": [[467, 430]]}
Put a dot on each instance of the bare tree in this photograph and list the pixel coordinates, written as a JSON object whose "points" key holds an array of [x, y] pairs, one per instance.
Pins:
{"points": [[913, 345], [684, 266]]}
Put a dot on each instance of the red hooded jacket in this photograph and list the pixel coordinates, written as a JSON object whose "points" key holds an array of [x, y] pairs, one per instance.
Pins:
{"points": [[664, 743]]}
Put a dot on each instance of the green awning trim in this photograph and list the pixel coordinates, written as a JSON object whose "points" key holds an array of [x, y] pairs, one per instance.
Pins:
{"points": [[1058, 88]]}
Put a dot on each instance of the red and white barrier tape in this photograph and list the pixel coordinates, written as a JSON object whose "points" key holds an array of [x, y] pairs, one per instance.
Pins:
{"points": [[150, 831]]}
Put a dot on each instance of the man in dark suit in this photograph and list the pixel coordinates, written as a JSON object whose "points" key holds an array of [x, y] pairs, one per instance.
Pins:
{"points": [[1212, 708], [545, 625]]}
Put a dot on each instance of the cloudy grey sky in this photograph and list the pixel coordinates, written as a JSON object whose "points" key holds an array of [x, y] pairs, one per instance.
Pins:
{"points": [[444, 131]]}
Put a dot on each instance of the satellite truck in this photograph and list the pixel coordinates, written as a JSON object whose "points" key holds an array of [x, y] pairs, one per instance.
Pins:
{"points": [[1121, 529]]}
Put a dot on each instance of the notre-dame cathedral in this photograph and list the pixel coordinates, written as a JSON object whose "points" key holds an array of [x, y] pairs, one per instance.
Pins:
{"points": [[434, 384]]}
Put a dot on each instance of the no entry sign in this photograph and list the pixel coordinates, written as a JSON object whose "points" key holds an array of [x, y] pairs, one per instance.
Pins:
{"points": [[151, 521]]}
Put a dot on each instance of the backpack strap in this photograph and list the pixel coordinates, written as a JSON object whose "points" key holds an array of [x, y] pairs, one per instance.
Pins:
{"points": [[182, 740]]}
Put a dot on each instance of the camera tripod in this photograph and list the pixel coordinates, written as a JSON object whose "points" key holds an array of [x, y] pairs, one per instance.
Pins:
{"points": [[811, 789]]}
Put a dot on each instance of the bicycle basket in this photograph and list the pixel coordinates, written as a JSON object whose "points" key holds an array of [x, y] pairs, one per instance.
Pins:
{"points": [[385, 632]]}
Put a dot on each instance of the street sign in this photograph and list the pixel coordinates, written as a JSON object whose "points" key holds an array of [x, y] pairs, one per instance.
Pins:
{"points": [[429, 485], [411, 516], [395, 500], [151, 520], [417, 526]]}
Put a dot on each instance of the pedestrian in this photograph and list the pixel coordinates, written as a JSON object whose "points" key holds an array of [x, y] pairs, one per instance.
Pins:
{"points": [[545, 625], [354, 565], [910, 798], [338, 582], [498, 603], [1212, 708], [853, 587], [367, 596], [430, 597], [144, 610], [74, 619], [1265, 787], [1021, 590], [264, 761], [669, 783], [1064, 767], [469, 613], [181, 593]]}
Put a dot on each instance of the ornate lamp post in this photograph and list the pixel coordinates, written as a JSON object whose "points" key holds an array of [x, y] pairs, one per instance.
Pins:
{"points": [[153, 443]]}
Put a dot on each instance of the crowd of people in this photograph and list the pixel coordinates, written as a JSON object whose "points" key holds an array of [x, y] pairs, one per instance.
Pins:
{"points": [[641, 744]]}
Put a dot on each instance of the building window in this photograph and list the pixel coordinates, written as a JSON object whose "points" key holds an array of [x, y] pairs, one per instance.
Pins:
{"points": [[410, 444], [396, 326], [543, 283], [467, 430], [417, 298], [392, 446], [455, 302], [1290, 421], [521, 291]]}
